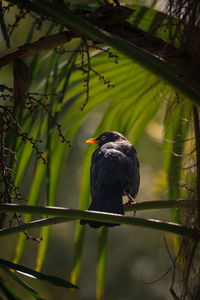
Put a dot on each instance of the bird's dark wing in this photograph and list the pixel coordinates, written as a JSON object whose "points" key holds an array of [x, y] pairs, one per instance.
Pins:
{"points": [[132, 173], [107, 180], [129, 166], [107, 183]]}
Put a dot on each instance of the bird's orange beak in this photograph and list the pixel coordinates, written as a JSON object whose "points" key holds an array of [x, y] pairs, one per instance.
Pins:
{"points": [[92, 141]]}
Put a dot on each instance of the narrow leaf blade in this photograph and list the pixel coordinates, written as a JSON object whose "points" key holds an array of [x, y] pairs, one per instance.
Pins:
{"points": [[101, 264], [29, 272]]}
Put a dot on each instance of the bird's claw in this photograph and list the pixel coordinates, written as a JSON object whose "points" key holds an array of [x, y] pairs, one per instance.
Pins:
{"points": [[130, 202]]}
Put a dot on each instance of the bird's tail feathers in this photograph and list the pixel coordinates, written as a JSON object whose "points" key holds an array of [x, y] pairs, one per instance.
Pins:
{"points": [[107, 203]]}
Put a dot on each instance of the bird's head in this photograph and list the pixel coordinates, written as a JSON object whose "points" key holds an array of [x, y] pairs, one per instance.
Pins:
{"points": [[106, 137]]}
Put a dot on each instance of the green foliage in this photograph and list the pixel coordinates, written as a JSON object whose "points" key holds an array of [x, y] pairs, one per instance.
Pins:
{"points": [[22, 283], [126, 86], [3, 26], [101, 265], [176, 130], [29, 272]]}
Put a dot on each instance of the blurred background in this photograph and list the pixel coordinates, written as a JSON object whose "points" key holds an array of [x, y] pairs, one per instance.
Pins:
{"points": [[137, 257]]}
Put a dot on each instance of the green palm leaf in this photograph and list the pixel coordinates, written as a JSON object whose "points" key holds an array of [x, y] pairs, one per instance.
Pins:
{"points": [[22, 283], [126, 108], [176, 130], [29, 272]]}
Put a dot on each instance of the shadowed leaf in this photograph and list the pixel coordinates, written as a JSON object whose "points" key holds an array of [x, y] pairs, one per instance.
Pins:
{"points": [[32, 273]]}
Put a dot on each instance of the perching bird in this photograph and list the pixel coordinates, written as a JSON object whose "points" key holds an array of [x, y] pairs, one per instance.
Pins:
{"points": [[114, 172]]}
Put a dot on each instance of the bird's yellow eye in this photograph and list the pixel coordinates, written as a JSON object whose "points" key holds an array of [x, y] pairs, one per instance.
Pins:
{"points": [[103, 138]]}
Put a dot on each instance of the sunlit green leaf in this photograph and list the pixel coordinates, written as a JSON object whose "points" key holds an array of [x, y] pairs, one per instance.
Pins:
{"points": [[78, 248], [101, 264], [32, 200], [42, 248], [55, 158], [161, 68], [176, 129]]}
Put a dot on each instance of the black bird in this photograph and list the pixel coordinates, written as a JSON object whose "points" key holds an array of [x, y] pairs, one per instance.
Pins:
{"points": [[114, 172]]}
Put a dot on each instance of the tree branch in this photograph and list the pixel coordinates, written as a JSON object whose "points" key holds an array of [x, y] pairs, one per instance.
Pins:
{"points": [[74, 214], [157, 204], [33, 224], [43, 44]]}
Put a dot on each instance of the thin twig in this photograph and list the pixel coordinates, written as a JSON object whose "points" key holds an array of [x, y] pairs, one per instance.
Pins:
{"points": [[173, 269], [87, 71], [189, 265]]}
